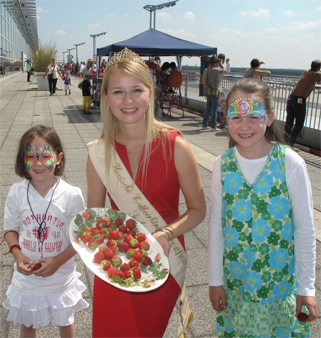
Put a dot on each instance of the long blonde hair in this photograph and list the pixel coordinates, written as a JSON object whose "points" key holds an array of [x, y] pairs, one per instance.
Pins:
{"points": [[154, 129]]}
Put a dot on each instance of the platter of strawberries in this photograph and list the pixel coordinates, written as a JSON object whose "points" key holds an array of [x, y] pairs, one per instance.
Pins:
{"points": [[119, 250]]}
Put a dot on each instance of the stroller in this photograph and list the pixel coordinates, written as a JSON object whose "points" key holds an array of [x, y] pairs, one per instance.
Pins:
{"points": [[95, 96]]}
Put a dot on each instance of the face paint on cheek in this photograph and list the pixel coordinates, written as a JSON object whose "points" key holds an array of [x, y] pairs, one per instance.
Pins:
{"points": [[29, 158], [47, 159]]}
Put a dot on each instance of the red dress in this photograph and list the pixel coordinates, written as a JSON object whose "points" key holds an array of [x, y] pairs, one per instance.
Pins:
{"points": [[118, 313]]}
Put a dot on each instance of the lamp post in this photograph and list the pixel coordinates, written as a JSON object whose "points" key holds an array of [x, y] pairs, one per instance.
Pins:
{"points": [[94, 43], [63, 56], [78, 44], [69, 49], [154, 8]]}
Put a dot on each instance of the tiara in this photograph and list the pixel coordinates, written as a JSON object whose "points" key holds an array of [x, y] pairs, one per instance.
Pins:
{"points": [[126, 55]]}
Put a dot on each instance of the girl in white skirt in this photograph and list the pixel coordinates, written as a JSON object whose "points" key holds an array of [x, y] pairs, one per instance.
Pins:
{"points": [[37, 215]]}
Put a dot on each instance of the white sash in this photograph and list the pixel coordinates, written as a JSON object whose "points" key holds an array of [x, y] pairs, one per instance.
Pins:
{"points": [[131, 201]]}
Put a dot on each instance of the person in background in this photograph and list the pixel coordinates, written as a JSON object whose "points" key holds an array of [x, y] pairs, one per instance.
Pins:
{"points": [[67, 82], [254, 72], [86, 94], [53, 70], [28, 71], [228, 65], [86, 69], [221, 57], [296, 104], [212, 78], [262, 243], [175, 77]]}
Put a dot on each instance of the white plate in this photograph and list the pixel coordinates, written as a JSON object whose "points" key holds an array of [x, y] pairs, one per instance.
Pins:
{"points": [[87, 255]]}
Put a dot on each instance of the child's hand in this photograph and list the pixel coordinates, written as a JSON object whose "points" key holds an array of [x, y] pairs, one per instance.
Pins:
{"points": [[218, 298], [49, 266], [311, 303], [22, 261]]}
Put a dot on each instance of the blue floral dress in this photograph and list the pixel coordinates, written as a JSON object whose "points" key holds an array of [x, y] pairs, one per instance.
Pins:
{"points": [[258, 261]]}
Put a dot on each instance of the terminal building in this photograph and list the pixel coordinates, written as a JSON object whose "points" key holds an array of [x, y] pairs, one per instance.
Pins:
{"points": [[18, 34]]}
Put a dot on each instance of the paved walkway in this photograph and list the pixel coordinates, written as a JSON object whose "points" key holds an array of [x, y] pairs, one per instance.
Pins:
{"points": [[22, 106]]}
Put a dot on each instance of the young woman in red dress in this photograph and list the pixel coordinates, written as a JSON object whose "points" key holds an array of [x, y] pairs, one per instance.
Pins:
{"points": [[160, 163]]}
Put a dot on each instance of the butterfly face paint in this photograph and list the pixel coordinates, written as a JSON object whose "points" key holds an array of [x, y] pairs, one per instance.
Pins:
{"points": [[40, 153], [253, 111]]}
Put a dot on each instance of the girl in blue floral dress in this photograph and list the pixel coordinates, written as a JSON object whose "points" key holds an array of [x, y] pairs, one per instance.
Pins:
{"points": [[261, 234]]}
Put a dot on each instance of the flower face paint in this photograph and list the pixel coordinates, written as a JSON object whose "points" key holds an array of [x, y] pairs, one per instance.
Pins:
{"points": [[253, 111], [40, 153]]}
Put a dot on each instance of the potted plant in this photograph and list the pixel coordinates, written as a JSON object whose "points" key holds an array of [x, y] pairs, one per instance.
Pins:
{"points": [[41, 59]]}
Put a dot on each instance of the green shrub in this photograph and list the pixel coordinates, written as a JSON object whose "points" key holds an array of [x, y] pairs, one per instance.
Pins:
{"points": [[42, 57]]}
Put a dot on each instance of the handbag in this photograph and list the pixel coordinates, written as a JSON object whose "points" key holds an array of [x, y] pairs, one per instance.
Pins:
{"points": [[212, 93], [50, 76]]}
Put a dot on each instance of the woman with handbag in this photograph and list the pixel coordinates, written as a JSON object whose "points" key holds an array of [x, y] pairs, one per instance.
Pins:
{"points": [[212, 78], [139, 160], [53, 71]]}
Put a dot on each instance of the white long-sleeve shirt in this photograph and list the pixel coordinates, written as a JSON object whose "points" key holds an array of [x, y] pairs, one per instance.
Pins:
{"points": [[300, 196]]}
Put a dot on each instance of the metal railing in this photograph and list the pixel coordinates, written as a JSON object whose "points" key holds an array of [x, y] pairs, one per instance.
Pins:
{"points": [[281, 89]]}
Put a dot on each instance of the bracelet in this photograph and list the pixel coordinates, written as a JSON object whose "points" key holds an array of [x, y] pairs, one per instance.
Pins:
{"points": [[13, 246], [166, 232], [173, 231]]}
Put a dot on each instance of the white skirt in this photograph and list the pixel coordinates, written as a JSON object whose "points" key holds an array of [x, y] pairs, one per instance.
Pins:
{"points": [[35, 310]]}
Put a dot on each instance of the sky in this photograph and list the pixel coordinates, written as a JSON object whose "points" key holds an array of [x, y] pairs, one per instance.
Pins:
{"points": [[281, 33]]}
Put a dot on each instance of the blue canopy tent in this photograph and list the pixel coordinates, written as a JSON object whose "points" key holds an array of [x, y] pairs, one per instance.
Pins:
{"points": [[153, 42]]}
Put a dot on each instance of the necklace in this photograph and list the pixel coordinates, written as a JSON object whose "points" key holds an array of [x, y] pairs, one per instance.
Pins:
{"points": [[42, 225]]}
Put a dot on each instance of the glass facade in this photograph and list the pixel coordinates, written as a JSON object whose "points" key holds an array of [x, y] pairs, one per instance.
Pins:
{"points": [[13, 46]]}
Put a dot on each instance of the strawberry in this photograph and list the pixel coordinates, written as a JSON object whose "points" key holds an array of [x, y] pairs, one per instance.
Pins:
{"points": [[105, 264], [116, 261], [147, 260], [124, 267], [105, 232], [86, 236], [119, 222], [111, 271], [140, 237], [93, 243], [302, 317], [114, 234], [144, 245], [137, 273], [98, 257], [123, 246], [158, 257], [130, 223], [119, 274], [100, 238], [115, 249], [86, 215], [138, 256], [143, 252], [111, 242], [132, 232], [109, 253], [133, 264], [103, 249], [101, 224], [130, 252], [36, 267], [133, 243], [128, 238], [94, 231], [127, 274], [123, 229], [108, 221]]}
